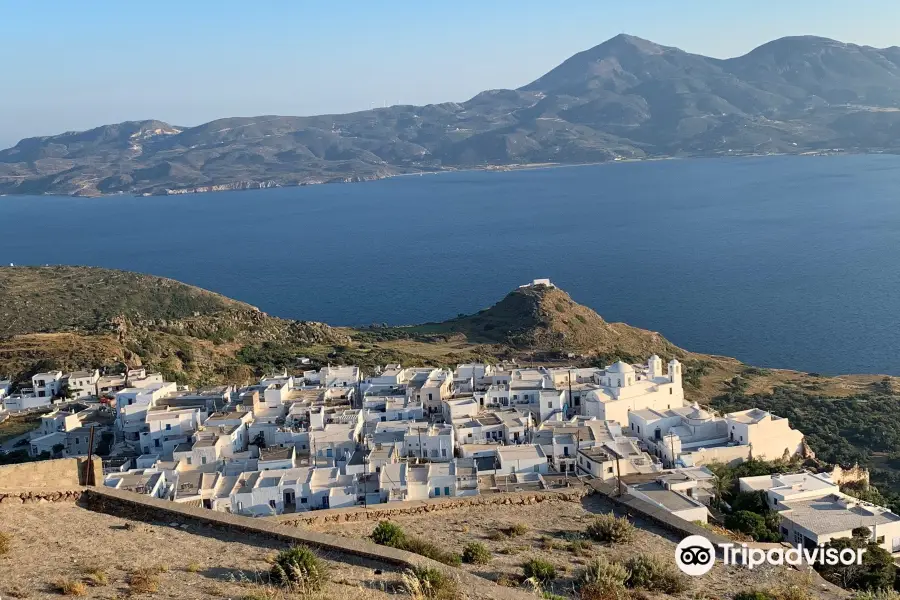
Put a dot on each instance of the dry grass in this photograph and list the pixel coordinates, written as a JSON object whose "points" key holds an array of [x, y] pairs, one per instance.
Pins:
{"points": [[70, 587], [194, 567], [95, 576], [5, 543], [143, 581]]}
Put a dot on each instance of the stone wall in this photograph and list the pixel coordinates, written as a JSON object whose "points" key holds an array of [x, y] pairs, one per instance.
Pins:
{"points": [[41, 496], [49, 475], [378, 512], [141, 507]]}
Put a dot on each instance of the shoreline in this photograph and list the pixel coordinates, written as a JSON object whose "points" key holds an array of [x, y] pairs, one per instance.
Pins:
{"points": [[477, 169]]}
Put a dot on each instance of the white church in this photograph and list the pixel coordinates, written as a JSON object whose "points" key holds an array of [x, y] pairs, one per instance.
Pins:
{"points": [[622, 389]]}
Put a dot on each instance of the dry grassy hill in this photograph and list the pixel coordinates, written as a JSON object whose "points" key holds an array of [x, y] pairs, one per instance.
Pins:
{"points": [[545, 318], [75, 317]]}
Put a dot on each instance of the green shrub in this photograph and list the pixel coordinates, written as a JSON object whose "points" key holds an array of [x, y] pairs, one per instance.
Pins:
{"points": [[429, 550], [517, 530], [298, 567], [388, 534], [610, 528], [648, 572], [604, 573], [540, 570], [476, 553], [427, 583]]}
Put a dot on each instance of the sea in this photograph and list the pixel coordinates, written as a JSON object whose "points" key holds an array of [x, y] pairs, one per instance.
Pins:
{"points": [[780, 261]]}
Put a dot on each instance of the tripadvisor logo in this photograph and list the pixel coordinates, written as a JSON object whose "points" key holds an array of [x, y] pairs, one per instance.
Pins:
{"points": [[695, 555]]}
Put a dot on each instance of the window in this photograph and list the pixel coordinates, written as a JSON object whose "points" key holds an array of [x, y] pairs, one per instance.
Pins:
{"points": [[670, 391], [447, 493], [879, 539], [549, 405], [188, 460], [437, 491], [76, 441], [565, 450], [156, 443], [202, 460], [303, 500], [429, 397], [784, 530], [444, 452], [798, 538], [609, 469]]}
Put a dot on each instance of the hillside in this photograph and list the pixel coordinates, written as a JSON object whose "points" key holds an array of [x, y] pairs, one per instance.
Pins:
{"points": [[75, 317], [544, 318], [52, 299], [627, 98]]}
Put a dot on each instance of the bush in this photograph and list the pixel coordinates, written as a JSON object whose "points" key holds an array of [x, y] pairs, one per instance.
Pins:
{"points": [[610, 528], [5, 543], [602, 580], [517, 530], [391, 534], [425, 582], [476, 553], [648, 572], [388, 534], [96, 576], [143, 581], [540, 570], [429, 550], [298, 567], [70, 587]]}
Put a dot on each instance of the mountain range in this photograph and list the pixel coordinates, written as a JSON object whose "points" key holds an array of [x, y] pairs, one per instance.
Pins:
{"points": [[627, 98]]}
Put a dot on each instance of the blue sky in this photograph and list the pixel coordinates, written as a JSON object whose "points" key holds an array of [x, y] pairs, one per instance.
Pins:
{"points": [[74, 65]]}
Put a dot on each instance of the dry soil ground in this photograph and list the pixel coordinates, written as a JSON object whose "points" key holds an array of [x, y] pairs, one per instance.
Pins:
{"points": [[549, 527], [62, 540]]}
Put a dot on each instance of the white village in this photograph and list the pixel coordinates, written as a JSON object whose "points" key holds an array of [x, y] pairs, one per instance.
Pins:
{"points": [[337, 437]]}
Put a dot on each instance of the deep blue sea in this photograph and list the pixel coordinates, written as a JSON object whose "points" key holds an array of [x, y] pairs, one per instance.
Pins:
{"points": [[780, 261]]}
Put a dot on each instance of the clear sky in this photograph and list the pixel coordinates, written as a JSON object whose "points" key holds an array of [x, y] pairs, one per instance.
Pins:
{"points": [[78, 64]]}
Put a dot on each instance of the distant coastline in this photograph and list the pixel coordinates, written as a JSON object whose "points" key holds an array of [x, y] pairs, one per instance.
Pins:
{"points": [[250, 186]]}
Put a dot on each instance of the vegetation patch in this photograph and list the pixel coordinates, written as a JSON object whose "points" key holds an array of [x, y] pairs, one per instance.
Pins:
{"points": [[143, 581], [426, 583], [610, 528], [648, 572], [476, 553], [70, 587], [390, 534], [299, 569], [539, 570]]}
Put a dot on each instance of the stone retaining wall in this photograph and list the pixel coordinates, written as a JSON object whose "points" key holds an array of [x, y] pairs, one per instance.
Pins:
{"points": [[40, 496], [142, 507], [378, 512]]}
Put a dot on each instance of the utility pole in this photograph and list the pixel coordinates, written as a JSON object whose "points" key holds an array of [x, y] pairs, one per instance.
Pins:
{"points": [[618, 476], [89, 465], [570, 393]]}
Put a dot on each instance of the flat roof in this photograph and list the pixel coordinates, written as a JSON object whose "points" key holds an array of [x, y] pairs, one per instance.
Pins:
{"points": [[835, 514], [666, 498]]}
